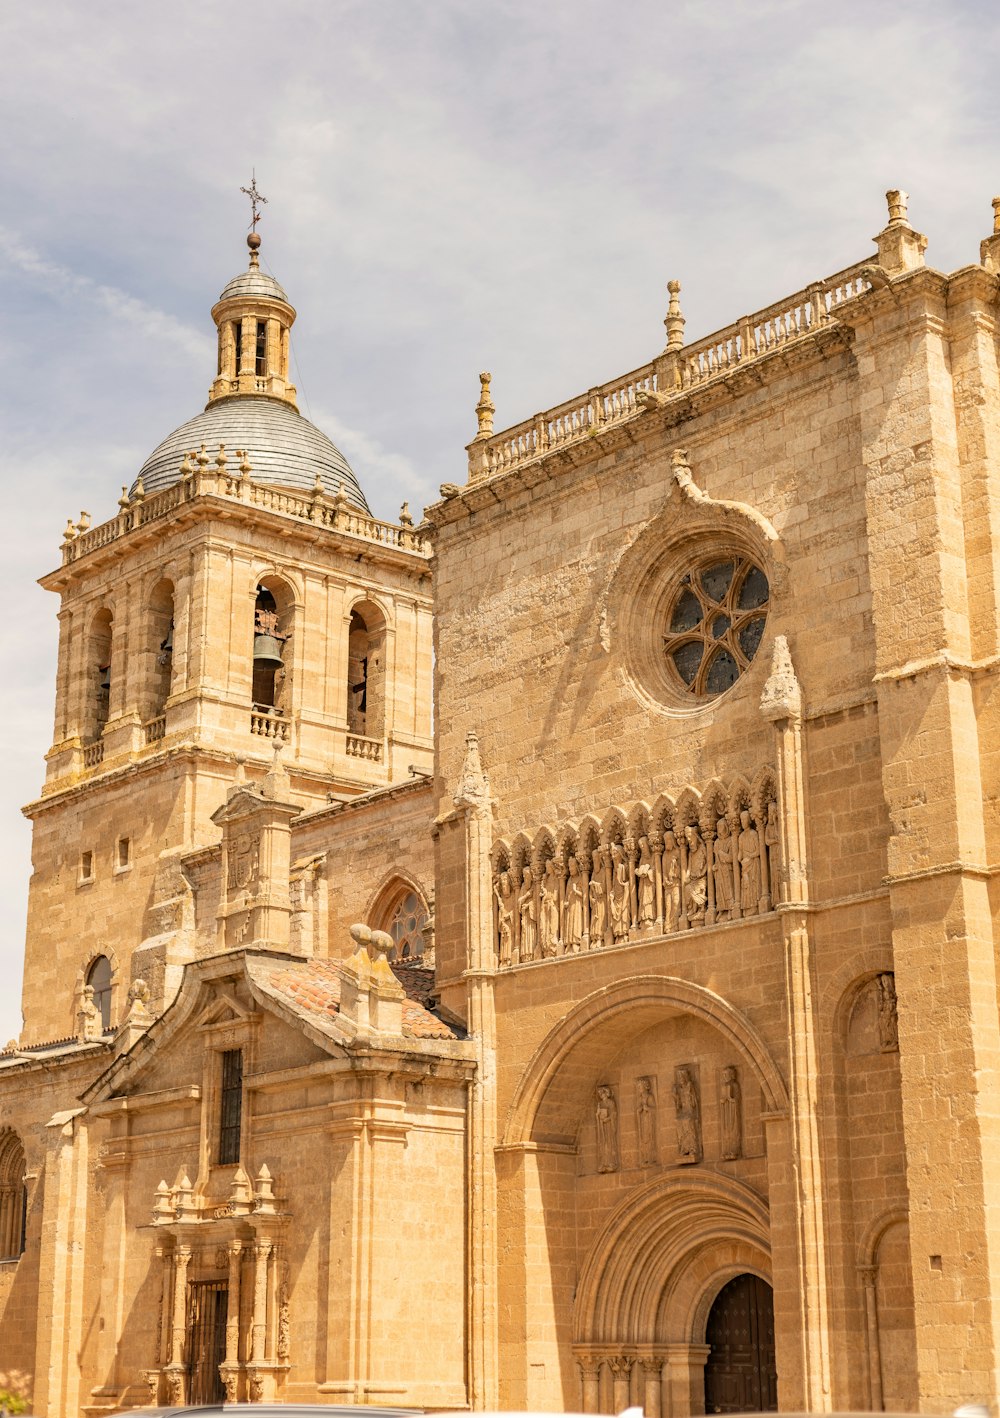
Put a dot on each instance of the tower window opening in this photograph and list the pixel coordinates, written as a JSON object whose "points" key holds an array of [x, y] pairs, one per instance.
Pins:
{"points": [[230, 1106], [260, 362], [365, 673], [123, 853], [268, 667], [238, 343], [86, 866], [99, 980]]}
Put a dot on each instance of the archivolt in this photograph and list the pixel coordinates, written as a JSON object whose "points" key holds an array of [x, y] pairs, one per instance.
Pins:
{"points": [[647, 1275], [546, 1104]]}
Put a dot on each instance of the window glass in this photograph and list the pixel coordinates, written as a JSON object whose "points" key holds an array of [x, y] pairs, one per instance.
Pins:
{"points": [[716, 623]]}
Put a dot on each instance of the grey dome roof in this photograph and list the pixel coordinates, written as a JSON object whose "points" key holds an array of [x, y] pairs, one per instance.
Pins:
{"points": [[284, 448], [254, 282]]}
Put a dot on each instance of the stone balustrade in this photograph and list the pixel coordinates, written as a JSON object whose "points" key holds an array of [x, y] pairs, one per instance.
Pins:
{"points": [[672, 374], [360, 747], [93, 754], [268, 724], [155, 729], [335, 514]]}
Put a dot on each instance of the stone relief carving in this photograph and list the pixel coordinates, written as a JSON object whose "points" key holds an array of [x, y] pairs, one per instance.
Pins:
{"points": [[506, 899], [730, 1114], [573, 908], [645, 1120], [244, 860], [701, 861], [606, 1118], [687, 1108], [284, 1322], [888, 1022]]}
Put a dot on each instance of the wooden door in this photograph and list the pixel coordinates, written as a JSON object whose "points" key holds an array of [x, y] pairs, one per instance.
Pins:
{"points": [[740, 1374], [208, 1301]]}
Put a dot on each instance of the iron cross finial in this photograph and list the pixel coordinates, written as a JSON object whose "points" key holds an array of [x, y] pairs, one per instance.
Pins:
{"points": [[255, 198]]}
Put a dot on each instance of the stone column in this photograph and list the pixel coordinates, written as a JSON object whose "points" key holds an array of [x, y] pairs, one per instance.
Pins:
{"points": [[261, 1255], [164, 1327], [233, 1303], [799, 1238], [869, 1276], [60, 1322], [652, 1373], [178, 1319], [590, 1378], [621, 1372], [473, 799]]}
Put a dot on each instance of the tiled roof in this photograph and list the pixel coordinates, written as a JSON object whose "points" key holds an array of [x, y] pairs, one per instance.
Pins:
{"points": [[313, 987]]}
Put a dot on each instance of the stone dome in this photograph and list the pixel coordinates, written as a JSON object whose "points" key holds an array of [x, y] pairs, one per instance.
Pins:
{"points": [[283, 447], [254, 282]]}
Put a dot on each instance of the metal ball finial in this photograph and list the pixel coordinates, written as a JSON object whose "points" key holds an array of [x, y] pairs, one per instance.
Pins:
{"points": [[253, 241]]}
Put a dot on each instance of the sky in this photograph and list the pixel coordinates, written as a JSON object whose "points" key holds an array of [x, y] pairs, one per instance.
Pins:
{"points": [[451, 187]]}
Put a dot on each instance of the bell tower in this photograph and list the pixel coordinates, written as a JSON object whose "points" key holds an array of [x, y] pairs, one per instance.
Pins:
{"points": [[242, 593]]}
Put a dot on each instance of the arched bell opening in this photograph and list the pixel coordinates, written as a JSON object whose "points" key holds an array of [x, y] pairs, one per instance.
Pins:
{"points": [[159, 649], [98, 706], [272, 649], [366, 671]]}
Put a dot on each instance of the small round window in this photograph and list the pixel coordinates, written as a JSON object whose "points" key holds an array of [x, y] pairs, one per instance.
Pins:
{"points": [[715, 623]]}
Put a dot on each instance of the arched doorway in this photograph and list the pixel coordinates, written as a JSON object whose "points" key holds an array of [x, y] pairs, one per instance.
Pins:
{"points": [[740, 1372]]}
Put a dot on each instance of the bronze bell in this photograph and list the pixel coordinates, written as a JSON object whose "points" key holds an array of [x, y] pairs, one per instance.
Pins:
{"points": [[167, 643], [105, 681], [266, 653]]}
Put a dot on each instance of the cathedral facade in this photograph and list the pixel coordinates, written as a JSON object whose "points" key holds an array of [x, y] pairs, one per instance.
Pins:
{"points": [[540, 957]]}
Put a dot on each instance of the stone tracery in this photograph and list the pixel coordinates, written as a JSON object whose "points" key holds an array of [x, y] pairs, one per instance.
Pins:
{"points": [[639, 874]]}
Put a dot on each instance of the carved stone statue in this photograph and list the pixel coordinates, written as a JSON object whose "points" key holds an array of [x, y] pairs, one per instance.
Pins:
{"points": [[598, 905], [696, 886], [671, 882], [619, 893], [88, 1016], [503, 890], [724, 846], [573, 908], [688, 1111], [644, 885], [888, 1021], [749, 853], [645, 1121], [548, 918], [528, 912], [606, 1117], [772, 841], [731, 1114]]}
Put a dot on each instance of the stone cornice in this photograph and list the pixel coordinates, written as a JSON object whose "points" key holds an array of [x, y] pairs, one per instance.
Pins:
{"points": [[659, 415]]}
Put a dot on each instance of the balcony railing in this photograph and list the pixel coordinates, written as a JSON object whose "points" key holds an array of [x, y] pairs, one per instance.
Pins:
{"points": [[269, 724], [335, 513], [360, 747], [93, 754], [154, 729], [673, 373]]}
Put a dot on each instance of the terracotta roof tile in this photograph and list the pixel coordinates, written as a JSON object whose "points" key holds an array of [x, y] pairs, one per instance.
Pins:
{"points": [[313, 987]]}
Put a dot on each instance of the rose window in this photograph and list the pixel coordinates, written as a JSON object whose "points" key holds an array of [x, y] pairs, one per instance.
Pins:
{"points": [[715, 623]]}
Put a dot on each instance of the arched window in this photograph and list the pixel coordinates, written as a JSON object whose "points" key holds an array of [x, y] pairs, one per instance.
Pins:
{"points": [[403, 913], [272, 630], [99, 685], [13, 1196], [159, 648], [366, 672], [99, 979], [260, 354]]}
